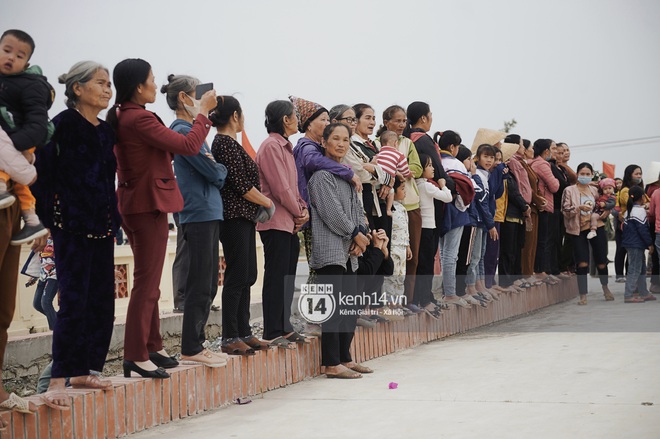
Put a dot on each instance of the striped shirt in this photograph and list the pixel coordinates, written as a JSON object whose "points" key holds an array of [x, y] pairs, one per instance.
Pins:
{"points": [[393, 161]]}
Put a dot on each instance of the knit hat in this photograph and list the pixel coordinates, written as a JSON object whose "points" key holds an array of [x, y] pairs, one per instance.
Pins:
{"points": [[508, 150], [606, 182], [653, 172], [485, 135], [306, 111]]}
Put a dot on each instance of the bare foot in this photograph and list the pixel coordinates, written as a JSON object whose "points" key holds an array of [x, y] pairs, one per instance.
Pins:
{"points": [[56, 397]]}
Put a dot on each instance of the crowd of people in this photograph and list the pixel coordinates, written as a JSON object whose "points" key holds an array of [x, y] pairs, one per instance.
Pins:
{"points": [[373, 211]]}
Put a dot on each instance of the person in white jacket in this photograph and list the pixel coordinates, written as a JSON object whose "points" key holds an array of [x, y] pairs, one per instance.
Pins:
{"points": [[429, 190]]}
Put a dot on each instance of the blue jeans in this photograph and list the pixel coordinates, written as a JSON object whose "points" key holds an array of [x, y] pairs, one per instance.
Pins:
{"points": [[449, 244], [476, 269], [636, 279], [43, 300]]}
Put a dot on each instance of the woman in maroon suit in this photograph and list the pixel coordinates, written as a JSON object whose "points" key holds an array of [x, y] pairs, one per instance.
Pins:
{"points": [[147, 191]]}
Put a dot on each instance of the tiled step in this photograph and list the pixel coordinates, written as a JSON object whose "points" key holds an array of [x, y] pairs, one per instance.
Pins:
{"points": [[135, 404]]}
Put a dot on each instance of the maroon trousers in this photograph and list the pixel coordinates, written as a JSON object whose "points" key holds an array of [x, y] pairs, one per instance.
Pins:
{"points": [[147, 233], [10, 223]]}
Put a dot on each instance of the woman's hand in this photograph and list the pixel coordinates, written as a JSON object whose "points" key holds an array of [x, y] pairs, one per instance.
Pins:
{"points": [[408, 253], [384, 191], [585, 208], [493, 234], [361, 241], [208, 102], [355, 181]]}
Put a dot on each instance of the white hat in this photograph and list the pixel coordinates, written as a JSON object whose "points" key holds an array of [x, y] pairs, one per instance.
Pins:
{"points": [[652, 172], [508, 150], [485, 135]]}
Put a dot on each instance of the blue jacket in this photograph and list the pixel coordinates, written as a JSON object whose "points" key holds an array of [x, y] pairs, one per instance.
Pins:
{"points": [[200, 179], [636, 232], [495, 186], [480, 213]]}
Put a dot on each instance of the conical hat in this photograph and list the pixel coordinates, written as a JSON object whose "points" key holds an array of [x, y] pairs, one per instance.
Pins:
{"points": [[652, 172], [508, 150], [485, 135]]}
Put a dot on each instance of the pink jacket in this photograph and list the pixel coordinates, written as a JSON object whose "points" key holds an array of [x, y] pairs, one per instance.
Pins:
{"points": [[548, 184], [522, 178], [279, 182], [570, 207], [654, 209], [14, 163]]}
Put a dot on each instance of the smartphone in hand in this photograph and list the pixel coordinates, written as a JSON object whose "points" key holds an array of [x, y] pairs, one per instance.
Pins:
{"points": [[201, 89]]}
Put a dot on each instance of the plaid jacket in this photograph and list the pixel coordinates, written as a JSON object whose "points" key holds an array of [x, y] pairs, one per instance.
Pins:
{"points": [[336, 215]]}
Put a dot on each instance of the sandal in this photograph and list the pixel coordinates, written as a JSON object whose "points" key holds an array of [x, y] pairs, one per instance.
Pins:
{"points": [[346, 375], [648, 298], [281, 342], [361, 369], [92, 382], [297, 338], [236, 346], [458, 301], [633, 300], [17, 404], [255, 343], [434, 312], [49, 399]]}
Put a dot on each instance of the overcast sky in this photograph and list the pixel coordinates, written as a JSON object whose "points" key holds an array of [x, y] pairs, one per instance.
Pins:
{"points": [[583, 72]]}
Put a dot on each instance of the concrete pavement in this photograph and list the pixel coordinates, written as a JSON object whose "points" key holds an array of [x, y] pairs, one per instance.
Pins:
{"points": [[565, 372]]}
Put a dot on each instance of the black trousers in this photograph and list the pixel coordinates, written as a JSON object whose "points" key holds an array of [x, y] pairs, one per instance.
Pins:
{"points": [[557, 230], [655, 271], [202, 242], [179, 267], [239, 246], [428, 246], [281, 250], [463, 262], [339, 330], [512, 240], [620, 254], [86, 275], [544, 245], [581, 254]]}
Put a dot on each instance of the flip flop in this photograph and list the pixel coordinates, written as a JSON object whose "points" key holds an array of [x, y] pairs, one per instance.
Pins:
{"points": [[346, 375], [55, 394], [283, 343], [17, 404], [93, 382]]}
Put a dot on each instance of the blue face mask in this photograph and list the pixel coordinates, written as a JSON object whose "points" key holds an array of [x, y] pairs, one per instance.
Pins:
{"points": [[584, 180]]}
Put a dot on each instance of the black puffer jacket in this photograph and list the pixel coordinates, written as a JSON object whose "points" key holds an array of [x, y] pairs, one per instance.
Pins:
{"points": [[24, 102]]}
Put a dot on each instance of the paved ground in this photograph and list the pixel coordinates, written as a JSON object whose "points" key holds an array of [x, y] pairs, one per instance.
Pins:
{"points": [[565, 372]]}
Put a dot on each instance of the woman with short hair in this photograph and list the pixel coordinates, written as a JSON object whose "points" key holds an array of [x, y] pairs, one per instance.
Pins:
{"points": [[279, 182]]}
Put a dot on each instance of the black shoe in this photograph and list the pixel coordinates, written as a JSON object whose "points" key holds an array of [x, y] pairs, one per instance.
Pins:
{"points": [[163, 361], [131, 366]]}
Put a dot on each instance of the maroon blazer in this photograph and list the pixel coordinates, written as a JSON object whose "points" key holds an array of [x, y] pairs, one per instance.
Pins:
{"points": [[145, 149]]}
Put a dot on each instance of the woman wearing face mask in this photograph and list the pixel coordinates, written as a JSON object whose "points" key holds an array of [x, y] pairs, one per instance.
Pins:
{"points": [[548, 185], [200, 179], [577, 204], [632, 176], [147, 192]]}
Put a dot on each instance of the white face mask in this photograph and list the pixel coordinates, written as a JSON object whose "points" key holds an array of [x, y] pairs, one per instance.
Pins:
{"points": [[193, 110]]}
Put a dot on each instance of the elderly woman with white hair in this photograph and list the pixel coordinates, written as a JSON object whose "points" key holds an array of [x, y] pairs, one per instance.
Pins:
{"points": [[76, 200]]}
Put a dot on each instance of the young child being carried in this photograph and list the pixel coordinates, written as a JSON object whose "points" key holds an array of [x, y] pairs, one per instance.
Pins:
{"points": [[392, 161], [25, 97], [604, 204]]}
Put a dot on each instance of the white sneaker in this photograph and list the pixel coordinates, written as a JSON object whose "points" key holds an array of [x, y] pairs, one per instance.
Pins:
{"points": [[591, 234]]}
